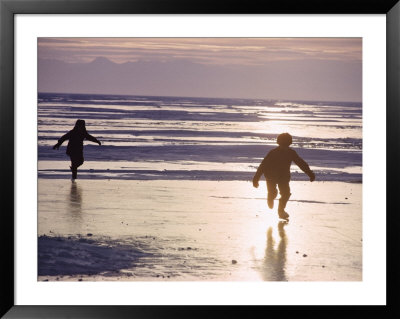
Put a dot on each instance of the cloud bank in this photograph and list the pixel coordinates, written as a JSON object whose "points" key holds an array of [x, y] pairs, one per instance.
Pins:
{"points": [[308, 69]]}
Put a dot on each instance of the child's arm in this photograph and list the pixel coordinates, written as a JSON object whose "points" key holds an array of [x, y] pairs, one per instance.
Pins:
{"points": [[258, 174], [92, 138], [61, 140], [303, 166]]}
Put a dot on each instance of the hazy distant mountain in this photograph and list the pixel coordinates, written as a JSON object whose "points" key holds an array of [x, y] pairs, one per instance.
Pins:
{"points": [[311, 79]]}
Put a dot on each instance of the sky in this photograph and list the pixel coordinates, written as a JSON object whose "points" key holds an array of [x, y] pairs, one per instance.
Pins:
{"points": [[321, 69]]}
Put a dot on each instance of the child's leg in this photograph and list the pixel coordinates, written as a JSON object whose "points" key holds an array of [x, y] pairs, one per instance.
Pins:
{"points": [[272, 193], [76, 161], [284, 190]]}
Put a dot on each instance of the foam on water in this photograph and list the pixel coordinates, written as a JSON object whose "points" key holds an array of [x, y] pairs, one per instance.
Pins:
{"points": [[176, 130]]}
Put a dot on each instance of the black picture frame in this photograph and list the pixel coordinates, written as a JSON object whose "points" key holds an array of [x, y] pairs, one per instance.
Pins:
{"points": [[9, 8]]}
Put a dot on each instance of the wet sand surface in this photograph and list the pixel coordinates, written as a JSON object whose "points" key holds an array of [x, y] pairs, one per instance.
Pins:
{"points": [[177, 230]]}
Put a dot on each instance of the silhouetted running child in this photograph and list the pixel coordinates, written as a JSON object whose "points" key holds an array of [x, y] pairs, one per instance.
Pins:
{"points": [[75, 145], [276, 169]]}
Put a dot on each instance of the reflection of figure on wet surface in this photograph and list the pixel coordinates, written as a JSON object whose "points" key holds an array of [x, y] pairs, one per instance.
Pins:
{"points": [[75, 200], [75, 139], [276, 169], [273, 268]]}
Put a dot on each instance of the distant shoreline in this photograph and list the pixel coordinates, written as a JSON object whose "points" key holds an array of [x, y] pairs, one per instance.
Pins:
{"points": [[204, 97]]}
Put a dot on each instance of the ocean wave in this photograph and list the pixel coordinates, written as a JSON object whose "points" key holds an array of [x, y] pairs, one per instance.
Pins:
{"points": [[199, 175], [171, 129]]}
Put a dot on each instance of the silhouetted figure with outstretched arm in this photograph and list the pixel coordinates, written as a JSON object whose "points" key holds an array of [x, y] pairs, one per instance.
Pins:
{"points": [[75, 139], [276, 169]]}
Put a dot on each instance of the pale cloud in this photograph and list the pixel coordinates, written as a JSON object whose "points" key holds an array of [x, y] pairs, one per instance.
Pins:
{"points": [[320, 69], [219, 51]]}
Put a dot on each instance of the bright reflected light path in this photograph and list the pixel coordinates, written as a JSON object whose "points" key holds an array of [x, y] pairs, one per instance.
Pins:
{"points": [[199, 230]]}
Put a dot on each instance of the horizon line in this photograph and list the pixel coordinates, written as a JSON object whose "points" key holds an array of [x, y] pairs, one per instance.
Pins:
{"points": [[205, 97]]}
